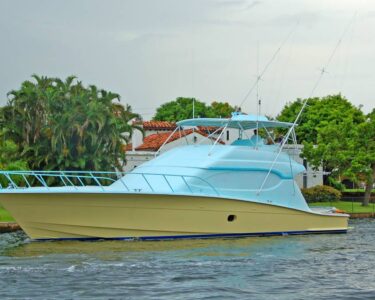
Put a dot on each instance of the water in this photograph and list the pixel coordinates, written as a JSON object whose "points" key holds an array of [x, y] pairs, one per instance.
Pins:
{"points": [[291, 267]]}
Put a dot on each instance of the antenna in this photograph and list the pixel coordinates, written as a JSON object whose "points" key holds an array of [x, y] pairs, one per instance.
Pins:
{"points": [[322, 72], [192, 76], [268, 64], [257, 96], [258, 79], [193, 108]]}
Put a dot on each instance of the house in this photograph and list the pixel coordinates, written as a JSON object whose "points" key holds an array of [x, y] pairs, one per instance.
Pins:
{"points": [[159, 137], [150, 127], [311, 177]]}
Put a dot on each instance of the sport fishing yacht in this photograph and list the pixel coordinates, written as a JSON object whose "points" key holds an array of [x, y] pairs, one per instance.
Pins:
{"points": [[247, 188]]}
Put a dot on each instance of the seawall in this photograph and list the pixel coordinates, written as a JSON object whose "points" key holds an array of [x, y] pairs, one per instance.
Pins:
{"points": [[9, 227], [361, 215]]}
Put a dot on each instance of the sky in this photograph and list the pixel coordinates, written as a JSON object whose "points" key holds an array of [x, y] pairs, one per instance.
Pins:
{"points": [[151, 52]]}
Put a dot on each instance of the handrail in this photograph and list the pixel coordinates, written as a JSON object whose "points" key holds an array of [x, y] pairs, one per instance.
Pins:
{"points": [[96, 180], [166, 141], [166, 179], [188, 186], [102, 180], [148, 183]]}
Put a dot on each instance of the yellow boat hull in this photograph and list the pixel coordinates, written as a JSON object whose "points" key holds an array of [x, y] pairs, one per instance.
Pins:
{"points": [[146, 216]]}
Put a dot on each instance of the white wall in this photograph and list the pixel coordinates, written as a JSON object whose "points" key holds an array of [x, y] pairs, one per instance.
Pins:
{"points": [[312, 177], [136, 158], [137, 138]]}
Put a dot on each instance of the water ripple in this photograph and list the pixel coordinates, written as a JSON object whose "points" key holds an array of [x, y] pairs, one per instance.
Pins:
{"points": [[291, 267]]}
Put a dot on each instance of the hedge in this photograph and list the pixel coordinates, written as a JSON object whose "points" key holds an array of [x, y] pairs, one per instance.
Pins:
{"points": [[321, 193]]}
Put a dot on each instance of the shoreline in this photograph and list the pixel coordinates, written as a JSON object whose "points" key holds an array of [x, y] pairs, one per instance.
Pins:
{"points": [[6, 227], [361, 215], [9, 227]]}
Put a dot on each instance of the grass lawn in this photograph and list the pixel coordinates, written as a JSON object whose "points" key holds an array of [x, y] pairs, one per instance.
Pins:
{"points": [[349, 207], [5, 216], [357, 190]]}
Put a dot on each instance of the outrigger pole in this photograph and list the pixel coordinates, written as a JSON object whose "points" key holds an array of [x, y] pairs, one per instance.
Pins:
{"points": [[291, 129]]}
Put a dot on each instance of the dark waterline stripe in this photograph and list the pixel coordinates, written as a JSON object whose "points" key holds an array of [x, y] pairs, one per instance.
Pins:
{"points": [[198, 236]]}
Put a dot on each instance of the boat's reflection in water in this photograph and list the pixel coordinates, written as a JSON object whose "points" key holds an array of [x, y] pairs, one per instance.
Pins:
{"points": [[188, 247]]}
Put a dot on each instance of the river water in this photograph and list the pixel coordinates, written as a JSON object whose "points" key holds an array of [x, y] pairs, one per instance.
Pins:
{"points": [[338, 266]]}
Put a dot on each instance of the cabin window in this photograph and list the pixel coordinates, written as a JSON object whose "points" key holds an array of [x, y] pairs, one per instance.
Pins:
{"points": [[227, 135], [195, 139], [231, 218]]}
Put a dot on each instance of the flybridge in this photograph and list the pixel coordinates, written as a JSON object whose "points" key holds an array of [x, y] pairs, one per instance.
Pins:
{"points": [[242, 122], [239, 121]]}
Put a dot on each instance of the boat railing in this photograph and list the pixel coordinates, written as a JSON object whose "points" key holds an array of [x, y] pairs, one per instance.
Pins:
{"points": [[106, 181]]}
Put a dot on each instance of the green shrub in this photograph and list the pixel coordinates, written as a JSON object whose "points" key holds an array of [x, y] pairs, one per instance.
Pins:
{"points": [[10, 162], [336, 184], [321, 193]]}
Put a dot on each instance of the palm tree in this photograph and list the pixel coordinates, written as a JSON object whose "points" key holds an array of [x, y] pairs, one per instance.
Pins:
{"points": [[131, 120], [61, 124]]}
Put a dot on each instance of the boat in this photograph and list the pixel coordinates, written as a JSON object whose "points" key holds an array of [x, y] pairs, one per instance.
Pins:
{"points": [[247, 188]]}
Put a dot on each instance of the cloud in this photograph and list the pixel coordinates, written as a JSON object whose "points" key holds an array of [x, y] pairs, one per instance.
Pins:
{"points": [[153, 51]]}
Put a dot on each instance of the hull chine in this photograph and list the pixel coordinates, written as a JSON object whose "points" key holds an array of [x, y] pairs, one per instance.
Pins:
{"points": [[198, 236]]}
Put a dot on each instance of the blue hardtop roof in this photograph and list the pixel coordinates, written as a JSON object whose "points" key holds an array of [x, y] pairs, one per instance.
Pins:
{"points": [[239, 121]]}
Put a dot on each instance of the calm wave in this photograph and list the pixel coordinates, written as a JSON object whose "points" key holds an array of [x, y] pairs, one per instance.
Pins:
{"points": [[291, 267]]}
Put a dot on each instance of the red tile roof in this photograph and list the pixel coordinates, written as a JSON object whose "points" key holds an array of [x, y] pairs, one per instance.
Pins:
{"points": [[154, 141], [209, 129], [128, 147], [159, 125]]}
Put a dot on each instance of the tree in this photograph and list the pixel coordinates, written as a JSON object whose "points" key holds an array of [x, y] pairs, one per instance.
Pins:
{"points": [[8, 157], [126, 114], [318, 113], [371, 115], [182, 108], [337, 136], [63, 125], [364, 155], [9, 160], [348, 149], [221, 109]]}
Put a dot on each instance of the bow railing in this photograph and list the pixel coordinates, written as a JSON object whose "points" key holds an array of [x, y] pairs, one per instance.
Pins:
{"points": [[131, 182]]}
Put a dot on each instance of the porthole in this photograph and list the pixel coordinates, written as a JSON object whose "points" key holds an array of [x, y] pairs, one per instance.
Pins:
{"points": [[231, 218]]}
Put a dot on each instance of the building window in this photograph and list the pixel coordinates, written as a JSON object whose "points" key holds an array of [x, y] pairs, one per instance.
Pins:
{"points": [[305, 174]]}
